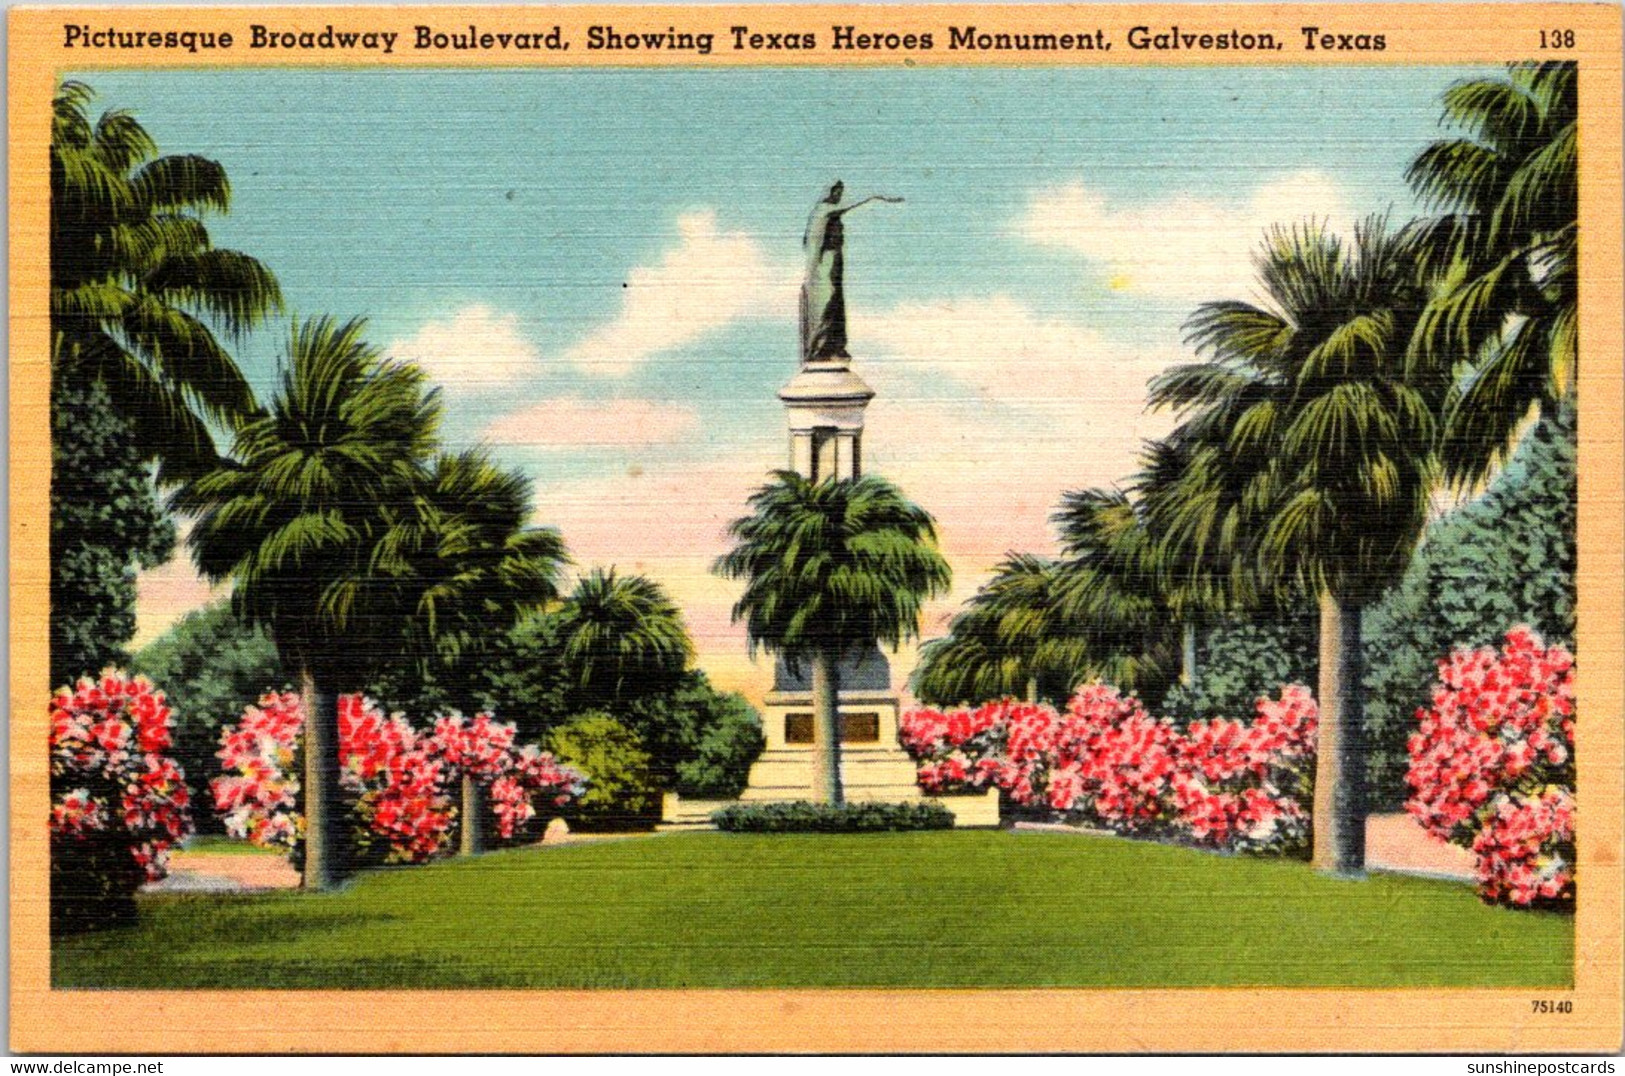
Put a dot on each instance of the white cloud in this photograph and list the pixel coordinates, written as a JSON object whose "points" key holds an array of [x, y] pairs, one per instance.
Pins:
{"points": [[1186, 247], [1052, 406], [571, 422], [476, 350], [708, 280], [1003, 350]]}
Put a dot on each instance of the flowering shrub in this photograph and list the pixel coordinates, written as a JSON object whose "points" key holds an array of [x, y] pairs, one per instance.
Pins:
{"points": [[535, 776], [118, 801], [1106, 761], [1492, 766], [398, 781], [257, 796]]}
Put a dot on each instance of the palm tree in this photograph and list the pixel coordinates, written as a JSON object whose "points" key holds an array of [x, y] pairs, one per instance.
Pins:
{"points": [[137, 293], [1114, 590], [1007, 641], [1505, 318], [623, 636], [295, 520], [830, 568], [136, 283], [1190, 511], [1319, 450], [469, 569]]}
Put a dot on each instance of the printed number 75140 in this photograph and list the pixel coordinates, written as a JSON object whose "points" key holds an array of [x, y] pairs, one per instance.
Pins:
{"points": [[1550, 1007]]}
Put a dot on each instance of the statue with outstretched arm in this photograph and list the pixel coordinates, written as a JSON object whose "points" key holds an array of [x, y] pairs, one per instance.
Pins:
{"points": [[823, 301]]}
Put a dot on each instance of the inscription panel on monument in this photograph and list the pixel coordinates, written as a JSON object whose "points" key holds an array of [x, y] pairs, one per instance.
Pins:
{"points": [[855, 728]]}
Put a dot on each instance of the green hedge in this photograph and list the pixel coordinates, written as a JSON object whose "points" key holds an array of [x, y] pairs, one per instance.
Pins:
{"points": [[803, 817]]}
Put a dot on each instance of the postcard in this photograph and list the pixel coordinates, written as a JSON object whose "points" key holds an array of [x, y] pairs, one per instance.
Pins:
{"points": [[917, 529]]}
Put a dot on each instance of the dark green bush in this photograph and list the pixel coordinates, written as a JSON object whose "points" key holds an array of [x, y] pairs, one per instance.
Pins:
{"points": [[702, 740], [211, 665], [1503, 559], [804, 817], [1242, 659]]}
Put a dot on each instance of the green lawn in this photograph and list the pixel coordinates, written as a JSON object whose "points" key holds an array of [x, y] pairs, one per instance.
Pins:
{"points": [[990, 909]]}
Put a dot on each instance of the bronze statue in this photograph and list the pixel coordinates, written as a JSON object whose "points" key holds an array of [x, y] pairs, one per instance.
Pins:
{"points": [[823, 301]]}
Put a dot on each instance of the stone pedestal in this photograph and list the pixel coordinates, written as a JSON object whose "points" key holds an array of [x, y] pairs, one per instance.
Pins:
{"points": [[824, 405], [873, 764]]}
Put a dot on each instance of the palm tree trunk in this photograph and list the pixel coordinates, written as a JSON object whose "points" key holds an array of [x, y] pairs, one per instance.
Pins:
{"points": [[1187, 655], [325, 836], [826, 690], [473, 831], [1032, 689], [1339, 813]]}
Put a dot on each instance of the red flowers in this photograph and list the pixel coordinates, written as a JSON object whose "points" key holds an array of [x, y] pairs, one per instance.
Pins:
{"points": [[118, 803], [1107, 761], [402, 781], [1492, 766]]}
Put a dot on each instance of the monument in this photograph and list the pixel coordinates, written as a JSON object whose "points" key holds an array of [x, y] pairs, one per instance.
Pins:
{"points": [[824, 404]]}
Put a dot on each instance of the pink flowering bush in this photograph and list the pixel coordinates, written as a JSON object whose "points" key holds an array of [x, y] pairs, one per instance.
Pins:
{"points": [[1106, 761], [1492, 766], [118, 801], [257, 795], [1248, 785], [400, 782]]}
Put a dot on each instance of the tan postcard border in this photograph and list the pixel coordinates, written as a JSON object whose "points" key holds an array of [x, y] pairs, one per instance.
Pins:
{"points": [[1203, 1021]]}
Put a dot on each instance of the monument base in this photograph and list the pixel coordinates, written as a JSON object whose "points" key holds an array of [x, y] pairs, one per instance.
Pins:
{"points": [[874, 768]]}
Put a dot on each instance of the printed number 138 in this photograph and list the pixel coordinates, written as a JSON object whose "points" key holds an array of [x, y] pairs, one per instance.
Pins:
{"points": [[1557, 39]]}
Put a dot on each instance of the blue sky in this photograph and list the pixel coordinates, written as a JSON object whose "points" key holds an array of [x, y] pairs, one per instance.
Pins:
{"points": [[600, 264]]}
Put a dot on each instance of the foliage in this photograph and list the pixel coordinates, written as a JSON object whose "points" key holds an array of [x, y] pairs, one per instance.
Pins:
{"points": [[623, 637], [399, 783], [137, 292], [118, 801], [1307, 406], [105, 524], [1507, 557], [525, 676], [1507, 248], [804, 817], [1240, 657], [298, 516], [1492, 766], [1106, 761], [136, 284], [1115, 596], [469, 569], [831, 566], [212, 665], [624, 788], [1010, 639], [701, 741]]}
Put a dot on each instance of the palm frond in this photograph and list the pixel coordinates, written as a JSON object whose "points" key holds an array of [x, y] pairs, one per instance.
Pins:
{"points": [[182, 182]]}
